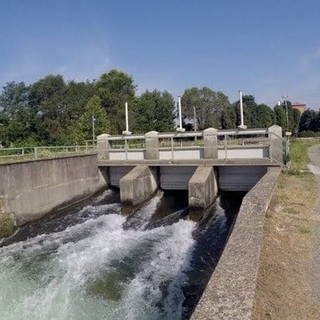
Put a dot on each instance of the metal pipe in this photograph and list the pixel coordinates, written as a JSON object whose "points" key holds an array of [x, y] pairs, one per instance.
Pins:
{"points": [[127, 117], [241, 109], [180, 115]]}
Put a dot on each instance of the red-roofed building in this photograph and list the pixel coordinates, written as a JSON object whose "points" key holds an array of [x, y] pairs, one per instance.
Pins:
{"points": [[299, 106]]}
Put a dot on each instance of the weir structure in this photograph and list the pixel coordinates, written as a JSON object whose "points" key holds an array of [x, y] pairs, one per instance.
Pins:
{"points": [[200, 162]]}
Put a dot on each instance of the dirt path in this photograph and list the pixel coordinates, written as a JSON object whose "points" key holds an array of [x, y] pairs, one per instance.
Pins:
{"points": [[288, 286], [314, 268]]}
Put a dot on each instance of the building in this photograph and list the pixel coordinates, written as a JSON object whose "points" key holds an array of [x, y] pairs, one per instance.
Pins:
{"points": [[299, 106]]}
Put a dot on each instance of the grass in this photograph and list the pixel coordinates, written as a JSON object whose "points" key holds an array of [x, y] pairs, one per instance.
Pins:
{"points": [[299, 153]]}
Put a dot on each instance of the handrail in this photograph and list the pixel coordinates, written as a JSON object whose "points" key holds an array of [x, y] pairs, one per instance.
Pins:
{"points": [[32, 153]]}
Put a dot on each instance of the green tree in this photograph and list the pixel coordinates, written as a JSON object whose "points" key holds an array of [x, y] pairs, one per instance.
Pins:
{"points": [[83, 129], [46, 102], [228, 118], [209, 106], [14, 96], [308, 121], [154, 111], [115, 88]]}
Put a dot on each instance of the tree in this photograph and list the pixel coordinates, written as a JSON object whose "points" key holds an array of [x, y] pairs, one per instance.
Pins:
{"points": [[209, 106], [47, 105], [14, 96], [308, 121], [154, 111], [281, 117], [115, 88], [228, 118], [93, 111]]}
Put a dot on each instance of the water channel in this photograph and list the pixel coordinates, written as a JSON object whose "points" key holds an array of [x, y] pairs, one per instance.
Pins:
{"points": [[92, 262]]}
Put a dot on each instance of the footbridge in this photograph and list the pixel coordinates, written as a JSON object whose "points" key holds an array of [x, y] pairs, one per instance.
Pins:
{"points": [[200, 162]]}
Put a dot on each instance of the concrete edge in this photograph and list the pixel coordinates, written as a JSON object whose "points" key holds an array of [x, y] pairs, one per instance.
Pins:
{"points": [[230, 293]]}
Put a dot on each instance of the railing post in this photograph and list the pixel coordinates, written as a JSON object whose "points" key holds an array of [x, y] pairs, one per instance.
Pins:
{"points": [[172, 149], [103, 146], [152, 145], [225, 147], [36, 153], [126, 148], [276, 143], [210, 142]]}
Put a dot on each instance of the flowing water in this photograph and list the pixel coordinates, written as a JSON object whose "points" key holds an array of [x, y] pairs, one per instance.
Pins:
{"points": [[92, 262]]}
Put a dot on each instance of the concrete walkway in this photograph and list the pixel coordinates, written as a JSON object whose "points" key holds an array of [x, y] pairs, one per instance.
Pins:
{"points": [[314, 269]]}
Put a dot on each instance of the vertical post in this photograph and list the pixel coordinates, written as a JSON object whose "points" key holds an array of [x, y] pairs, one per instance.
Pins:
{"points": [[126, 148], [127, 120], [225, 148], [210, 143], [276, 144], [126, 132], [180, 115], [195, 121], [93, 129], [103, 146], [172, 150], [242, 126], [152, 145]]}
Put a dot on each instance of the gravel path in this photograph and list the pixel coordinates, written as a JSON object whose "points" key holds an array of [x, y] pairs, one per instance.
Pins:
{"points": [[314, 269]]}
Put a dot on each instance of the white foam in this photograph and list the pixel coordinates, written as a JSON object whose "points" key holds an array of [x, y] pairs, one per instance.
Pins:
{"points": [[50, 276]]}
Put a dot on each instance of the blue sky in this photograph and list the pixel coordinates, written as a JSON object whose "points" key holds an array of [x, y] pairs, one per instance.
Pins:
{"points": [[265, 48]]}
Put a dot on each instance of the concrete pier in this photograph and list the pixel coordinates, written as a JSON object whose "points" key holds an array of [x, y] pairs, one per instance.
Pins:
{"points": [[203, 189], [137, 186]]}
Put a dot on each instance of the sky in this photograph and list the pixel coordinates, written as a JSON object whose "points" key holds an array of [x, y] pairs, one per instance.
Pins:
{"points": [[266, 48]]}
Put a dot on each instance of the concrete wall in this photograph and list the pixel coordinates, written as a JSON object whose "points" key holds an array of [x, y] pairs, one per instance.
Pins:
{"points": [[230, 292], [137, 186], [32, 189]]}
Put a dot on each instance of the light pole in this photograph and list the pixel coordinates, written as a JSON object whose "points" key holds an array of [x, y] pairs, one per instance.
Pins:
{"points": [[285, 100]]}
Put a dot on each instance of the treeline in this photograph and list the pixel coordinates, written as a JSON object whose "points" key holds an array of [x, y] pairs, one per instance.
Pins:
{"points": [[52, 111], [310, 123]]}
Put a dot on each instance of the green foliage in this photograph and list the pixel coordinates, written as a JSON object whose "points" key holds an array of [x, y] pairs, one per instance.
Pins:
{"points": [[154, 111], [115, 88], [209, 105], [83, 128], [255, 115]]}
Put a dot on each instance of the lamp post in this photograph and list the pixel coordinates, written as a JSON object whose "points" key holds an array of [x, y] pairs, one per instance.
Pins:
{"points": [[284, 98]]}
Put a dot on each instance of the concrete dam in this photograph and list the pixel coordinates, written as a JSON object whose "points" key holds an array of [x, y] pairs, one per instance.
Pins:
{"points": [[91, 261]]}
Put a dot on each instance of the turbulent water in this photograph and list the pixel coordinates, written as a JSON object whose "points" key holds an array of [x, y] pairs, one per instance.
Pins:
{"points": [[95, 263]]}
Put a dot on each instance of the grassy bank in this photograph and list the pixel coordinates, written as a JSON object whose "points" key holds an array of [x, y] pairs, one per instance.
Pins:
{"points": [[287, 244]]}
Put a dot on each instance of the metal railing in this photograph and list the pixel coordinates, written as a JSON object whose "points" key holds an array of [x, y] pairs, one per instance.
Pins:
{"points": [[34, 153], [227, 140]]}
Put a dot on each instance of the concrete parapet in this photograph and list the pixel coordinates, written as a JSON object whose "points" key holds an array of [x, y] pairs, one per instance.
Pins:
{"points": [[230, 293], [152, 145], [32, 189], [203, 190], [137, 186], [210, 142], [276, 143], [103, 146]]}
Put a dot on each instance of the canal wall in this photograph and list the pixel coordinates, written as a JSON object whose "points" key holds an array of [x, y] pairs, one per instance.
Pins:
{"points": [[230, 292], [31, 189]]}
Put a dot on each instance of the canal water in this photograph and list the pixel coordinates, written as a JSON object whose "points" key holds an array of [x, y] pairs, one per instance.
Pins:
{"points": [[92, 262]]}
